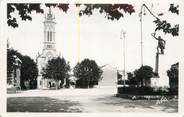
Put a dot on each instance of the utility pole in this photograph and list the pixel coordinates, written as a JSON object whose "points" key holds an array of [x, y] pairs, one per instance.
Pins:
{"points": [[141, 35], [141, 24], [124, 73], [78, 36]]}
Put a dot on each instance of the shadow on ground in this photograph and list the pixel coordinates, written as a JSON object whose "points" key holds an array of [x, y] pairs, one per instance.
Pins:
{"points": [[170, 106], [41, 104]]}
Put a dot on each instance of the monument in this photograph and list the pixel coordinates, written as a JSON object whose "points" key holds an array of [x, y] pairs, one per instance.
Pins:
{"points": [[160, 50]]}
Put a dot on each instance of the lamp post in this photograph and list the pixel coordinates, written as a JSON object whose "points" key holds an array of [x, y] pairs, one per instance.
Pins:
{"points": [[159, 40], [124, 73], [141, 35], [141, 22]]}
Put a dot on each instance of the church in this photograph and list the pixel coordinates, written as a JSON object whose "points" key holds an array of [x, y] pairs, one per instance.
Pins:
{"points": [[48, 51]]}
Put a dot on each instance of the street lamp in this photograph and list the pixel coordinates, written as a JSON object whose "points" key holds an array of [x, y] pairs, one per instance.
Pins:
{"points": [[157, 54], [140, 15], [123, 32]]}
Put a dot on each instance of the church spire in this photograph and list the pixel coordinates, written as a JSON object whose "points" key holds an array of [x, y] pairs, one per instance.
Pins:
{"points": [[50, 16], [49, 31]]}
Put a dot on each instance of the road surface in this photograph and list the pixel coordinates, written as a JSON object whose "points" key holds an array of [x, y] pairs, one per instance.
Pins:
{"points": [[83, 100]]}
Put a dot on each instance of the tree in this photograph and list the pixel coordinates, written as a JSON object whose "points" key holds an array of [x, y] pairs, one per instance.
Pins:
{"points": [[165, 26], [130, 75], [172, 73], [113, 11], [88, 73], [56, 69], [174, 9], [143, 75], [25, 10], [11, 54], [131, 78], [29, 72]]}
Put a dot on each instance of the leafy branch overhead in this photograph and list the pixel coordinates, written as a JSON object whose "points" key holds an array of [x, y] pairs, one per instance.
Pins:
{"points": [[113, 11], [25, 10], [167, 27], [174, 9]]}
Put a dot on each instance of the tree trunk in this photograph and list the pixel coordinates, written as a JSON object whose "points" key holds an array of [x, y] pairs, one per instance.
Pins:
{"points": [[88, 84], [142, 84], [57, 84]]}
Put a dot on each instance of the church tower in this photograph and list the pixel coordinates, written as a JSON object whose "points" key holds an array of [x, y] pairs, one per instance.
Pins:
{"points": [[49, 50], [49, 36]]}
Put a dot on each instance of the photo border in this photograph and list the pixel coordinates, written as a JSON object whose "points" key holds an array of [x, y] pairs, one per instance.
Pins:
{"points": [[3, 33]]}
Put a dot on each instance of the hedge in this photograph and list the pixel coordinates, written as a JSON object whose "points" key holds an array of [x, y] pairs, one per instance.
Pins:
{"points": [[146, 91]]}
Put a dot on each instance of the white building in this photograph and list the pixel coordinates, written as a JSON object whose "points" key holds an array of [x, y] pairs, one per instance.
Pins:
{"points": [[49, 50], [109, 77]]}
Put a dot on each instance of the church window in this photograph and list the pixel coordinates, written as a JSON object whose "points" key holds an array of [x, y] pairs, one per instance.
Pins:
{"points": [[47, 36], [50, 36]]}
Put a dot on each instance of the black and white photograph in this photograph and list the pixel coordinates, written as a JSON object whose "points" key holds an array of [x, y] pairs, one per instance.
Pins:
{"points": [[92, 57]]}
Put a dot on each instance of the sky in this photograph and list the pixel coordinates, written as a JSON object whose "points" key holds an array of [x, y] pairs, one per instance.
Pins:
{"points": [[100, 38]]}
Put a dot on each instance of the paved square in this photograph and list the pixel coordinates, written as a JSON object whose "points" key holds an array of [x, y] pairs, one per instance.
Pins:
{"points": [[82, 100]]}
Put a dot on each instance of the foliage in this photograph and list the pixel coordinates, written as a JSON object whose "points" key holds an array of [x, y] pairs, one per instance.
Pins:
{"points": [[11, 54], [87, 72], [174, 9], [29, 70], [140, 77], [131, 79], [25, 10], [112, 11], [130, 75], [173, 78], [173, 71], [143, 91], [165, 26], [144, 73], [57, 69]]}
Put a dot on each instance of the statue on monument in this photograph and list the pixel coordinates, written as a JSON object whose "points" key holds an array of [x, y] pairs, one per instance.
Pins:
{"points": [[160, 50], [161, 43]]}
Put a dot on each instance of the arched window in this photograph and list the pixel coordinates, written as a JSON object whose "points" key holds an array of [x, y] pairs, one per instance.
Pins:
{"points": [[48, 36]]}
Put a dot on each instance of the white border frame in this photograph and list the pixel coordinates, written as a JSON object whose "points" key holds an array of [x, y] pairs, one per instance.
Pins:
{"points": [[3, 32]]}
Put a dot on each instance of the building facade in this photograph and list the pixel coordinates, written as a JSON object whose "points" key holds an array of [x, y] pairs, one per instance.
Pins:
{"points": [[48, 51], [109, 77]]}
